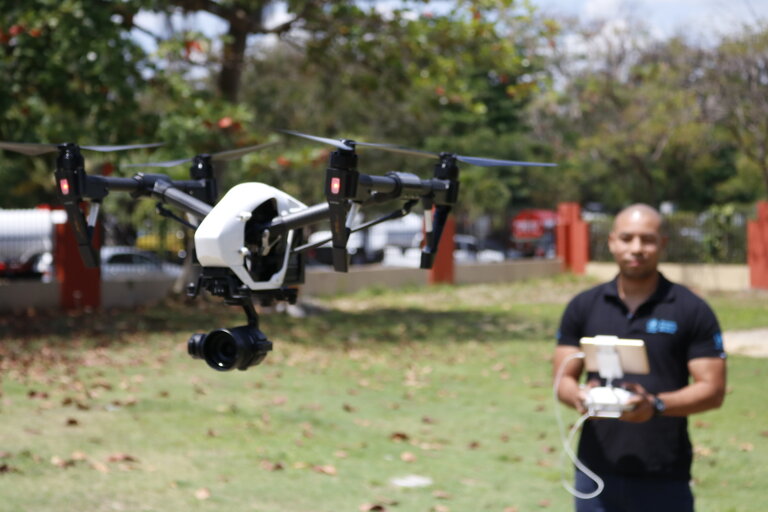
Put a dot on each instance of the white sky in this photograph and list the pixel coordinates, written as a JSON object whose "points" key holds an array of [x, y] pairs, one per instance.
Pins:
{"points": [[697, 18], [667, 17]]}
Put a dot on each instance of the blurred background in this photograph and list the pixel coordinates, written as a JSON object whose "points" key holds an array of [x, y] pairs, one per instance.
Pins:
{"points": [[660, 102]]}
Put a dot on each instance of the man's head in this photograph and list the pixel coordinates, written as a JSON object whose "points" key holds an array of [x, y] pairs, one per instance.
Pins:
{"points": [[636, 241]]}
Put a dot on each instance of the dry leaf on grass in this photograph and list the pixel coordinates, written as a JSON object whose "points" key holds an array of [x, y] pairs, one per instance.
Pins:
{"points": [[325, 469], [121, 457], [372, 507], [271, 466]]}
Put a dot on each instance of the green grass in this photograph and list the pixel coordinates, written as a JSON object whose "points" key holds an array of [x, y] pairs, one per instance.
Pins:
{"points": [[106, 411]]}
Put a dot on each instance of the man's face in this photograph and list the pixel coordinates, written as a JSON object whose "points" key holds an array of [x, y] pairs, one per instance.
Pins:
{"points": [[636, 243]]}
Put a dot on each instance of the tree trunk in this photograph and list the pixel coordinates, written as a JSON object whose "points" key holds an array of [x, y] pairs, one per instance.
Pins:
{"points": [[233, 58]]}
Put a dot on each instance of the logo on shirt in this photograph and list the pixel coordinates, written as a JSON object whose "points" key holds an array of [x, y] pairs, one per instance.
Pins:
{"points": [[718, 341], [659, 325]]}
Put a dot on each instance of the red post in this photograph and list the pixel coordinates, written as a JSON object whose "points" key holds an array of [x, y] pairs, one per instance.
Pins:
{"points": [[572, 238], [442, 268], [757, 247], [79, 286]]}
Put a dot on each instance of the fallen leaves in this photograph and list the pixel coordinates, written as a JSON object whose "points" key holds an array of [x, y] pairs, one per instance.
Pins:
{"points": [[377, 506], [120, 461], [325, 469], [746, 447], [7, 468]]}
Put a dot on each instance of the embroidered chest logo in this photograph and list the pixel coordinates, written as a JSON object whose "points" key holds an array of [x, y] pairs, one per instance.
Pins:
{"points": [[658, 325]]}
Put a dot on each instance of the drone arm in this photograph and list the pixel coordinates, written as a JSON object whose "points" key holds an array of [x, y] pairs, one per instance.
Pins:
{"points": [[97, 187], [168, 192], [299, 219], [402, 212]]}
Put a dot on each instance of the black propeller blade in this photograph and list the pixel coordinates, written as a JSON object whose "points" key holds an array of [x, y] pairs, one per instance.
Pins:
{"points": [[492, 162], [221, 156], [341, 144], [35, 149], [472, 160]]}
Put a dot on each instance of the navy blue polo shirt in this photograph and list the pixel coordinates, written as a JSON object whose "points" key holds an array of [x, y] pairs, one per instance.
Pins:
{"points": [[677, 326]]}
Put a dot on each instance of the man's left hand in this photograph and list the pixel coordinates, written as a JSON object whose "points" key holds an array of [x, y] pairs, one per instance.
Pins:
{"points": [[642, 403]]}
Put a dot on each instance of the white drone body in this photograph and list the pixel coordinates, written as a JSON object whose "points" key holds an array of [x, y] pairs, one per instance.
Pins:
{"points": [[220, 239]]}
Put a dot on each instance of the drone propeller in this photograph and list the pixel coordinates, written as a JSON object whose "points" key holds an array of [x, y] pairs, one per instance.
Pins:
{"points": [[341, 144], [393, 148], [35, 149], [221, 156]]}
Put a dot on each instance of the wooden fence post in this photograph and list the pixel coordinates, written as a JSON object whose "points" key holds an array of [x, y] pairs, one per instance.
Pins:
{"points": [[757, 247], [79, 286], [442, 268], [572, 238]]}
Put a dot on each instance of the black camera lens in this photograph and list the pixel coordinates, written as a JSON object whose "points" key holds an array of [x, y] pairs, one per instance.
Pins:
{"points": [[227, 349], [221, 349]]}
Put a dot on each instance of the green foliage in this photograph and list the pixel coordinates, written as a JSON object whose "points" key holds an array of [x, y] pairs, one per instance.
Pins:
{"points": [[69, 74], [638, 119], [738, 70], [452, 81], [628, 119]]}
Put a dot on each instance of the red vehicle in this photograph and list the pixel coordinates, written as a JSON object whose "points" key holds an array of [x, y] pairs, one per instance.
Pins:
{"points": [[532, 233]]}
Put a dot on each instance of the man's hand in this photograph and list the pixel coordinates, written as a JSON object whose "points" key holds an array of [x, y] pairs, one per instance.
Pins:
{"points": [[641, 403]]}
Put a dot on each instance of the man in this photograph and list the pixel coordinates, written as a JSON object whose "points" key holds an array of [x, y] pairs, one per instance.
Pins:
{"points": [[644, 457]]}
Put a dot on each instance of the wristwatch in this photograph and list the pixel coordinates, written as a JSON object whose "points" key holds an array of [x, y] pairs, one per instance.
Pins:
{"points": [[658, 406]]}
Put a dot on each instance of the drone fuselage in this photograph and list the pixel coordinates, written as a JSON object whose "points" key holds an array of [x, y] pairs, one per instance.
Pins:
{"points": [[232, 235]]}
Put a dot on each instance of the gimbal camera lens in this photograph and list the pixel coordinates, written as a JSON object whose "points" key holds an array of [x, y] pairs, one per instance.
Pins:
{"points": [[229, 348]]}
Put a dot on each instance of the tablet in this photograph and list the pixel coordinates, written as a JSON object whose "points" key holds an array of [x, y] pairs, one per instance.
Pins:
{"points": [[630, 353]]}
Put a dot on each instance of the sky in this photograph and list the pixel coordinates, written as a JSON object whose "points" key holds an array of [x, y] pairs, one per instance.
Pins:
{"points": [[700, 19], [703, 18]]}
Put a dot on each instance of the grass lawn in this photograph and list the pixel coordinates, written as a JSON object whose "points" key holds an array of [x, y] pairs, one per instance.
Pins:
{"points": [[431, 399]]}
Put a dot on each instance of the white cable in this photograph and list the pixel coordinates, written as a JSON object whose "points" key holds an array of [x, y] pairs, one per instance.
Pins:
{"points": [[567, 441]]}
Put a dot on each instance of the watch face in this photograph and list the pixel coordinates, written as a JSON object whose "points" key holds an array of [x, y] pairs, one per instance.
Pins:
{"points": [[658, 405]]}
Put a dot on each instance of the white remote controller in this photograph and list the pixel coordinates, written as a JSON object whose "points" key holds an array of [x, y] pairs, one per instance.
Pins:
{"points": [[607, 401]]}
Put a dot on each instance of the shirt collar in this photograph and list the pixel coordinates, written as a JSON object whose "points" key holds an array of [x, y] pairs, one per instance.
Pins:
{"points": [[665, 292]]}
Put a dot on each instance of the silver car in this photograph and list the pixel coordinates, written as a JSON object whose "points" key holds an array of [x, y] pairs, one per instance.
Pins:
{"points": [[124, 263]]}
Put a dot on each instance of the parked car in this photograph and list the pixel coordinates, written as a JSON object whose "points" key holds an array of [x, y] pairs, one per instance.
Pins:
{"points": [[466, 250], [125, 263], [322, 255], [32, 265]]}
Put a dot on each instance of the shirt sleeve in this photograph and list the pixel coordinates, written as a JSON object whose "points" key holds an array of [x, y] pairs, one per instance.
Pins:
{"points": [[571, 327], [706, 336]]}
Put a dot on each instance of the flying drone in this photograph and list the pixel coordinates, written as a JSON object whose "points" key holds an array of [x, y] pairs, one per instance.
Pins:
{"points": [[250, 243]]}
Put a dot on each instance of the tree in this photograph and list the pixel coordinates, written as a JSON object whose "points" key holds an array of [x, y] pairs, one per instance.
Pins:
{"points": [[738, 77], [69, 74], [633, 124], [452, 81]]}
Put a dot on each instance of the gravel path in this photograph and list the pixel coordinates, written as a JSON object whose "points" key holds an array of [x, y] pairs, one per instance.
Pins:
{"points": [[752, 342]]}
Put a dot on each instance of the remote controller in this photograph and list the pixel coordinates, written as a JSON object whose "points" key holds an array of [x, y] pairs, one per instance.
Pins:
{"points": [[607, 401]]}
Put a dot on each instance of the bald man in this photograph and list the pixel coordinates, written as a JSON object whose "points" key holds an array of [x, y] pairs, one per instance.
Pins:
{"points": [[644, 457]]}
